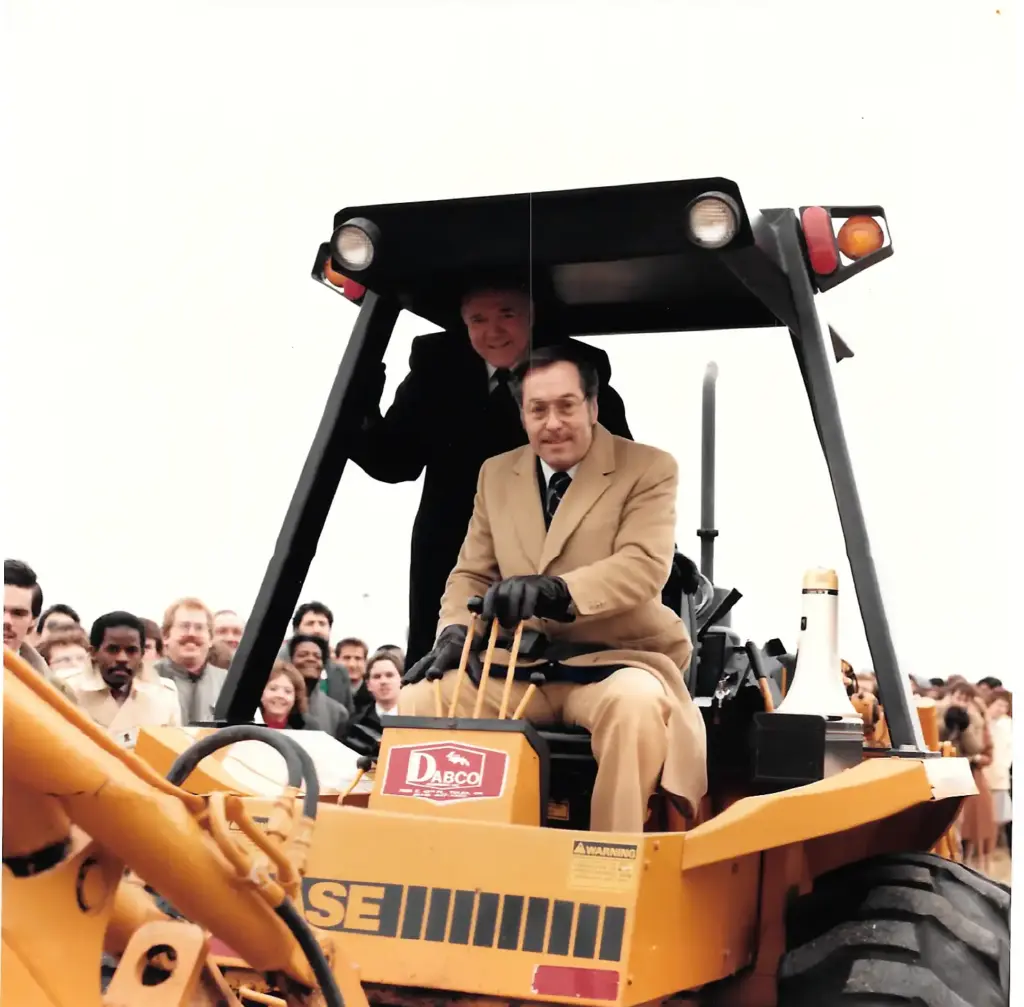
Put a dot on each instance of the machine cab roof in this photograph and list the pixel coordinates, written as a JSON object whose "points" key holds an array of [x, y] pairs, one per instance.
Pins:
{"points": [[656, 257], [671, 256]]}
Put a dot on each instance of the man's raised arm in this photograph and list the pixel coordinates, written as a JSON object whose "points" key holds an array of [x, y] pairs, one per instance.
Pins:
{"points": [[475, 569], [391, 448]]}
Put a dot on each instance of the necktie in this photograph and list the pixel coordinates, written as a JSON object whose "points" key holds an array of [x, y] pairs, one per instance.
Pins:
{"points": [[556, 490], [506, 424]]}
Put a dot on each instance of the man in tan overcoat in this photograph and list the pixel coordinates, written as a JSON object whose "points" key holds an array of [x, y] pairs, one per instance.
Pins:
{"points": [[575, 533]]}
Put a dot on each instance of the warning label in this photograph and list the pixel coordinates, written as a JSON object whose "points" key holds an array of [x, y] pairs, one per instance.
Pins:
{"points": [[609, 867]]}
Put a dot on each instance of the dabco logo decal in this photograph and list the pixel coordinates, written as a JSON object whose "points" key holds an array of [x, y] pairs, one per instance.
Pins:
{"points": [[445, 772]]}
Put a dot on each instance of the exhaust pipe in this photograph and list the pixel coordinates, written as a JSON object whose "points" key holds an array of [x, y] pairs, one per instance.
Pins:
{"points": [[707, 533], [725, 598]]}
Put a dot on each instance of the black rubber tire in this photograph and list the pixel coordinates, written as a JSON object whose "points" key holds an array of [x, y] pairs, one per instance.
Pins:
{"points": [[909, 929], [108, 966]]}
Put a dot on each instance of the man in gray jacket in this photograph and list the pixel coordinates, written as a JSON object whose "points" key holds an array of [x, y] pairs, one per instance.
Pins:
{"points": [[188, 635], [309, 654]]}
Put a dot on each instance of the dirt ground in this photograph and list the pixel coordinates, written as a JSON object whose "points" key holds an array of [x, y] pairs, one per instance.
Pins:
{"points": [[999, 867]]}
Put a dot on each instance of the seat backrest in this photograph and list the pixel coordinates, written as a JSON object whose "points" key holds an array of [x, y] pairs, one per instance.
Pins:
{"points": [[690, 621], [678, 595], [672, 594]]}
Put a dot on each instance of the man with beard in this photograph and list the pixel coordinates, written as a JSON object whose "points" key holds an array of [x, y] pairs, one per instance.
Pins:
{"points": [[111, 692]]}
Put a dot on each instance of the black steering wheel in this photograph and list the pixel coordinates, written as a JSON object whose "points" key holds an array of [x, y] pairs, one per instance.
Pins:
{"points": [[704, 596]]}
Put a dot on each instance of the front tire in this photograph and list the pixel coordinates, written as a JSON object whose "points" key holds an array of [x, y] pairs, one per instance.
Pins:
{"points": [[907, 929]]}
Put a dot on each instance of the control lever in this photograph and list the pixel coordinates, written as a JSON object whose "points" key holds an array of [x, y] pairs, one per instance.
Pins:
{"points": [[537, 679]]}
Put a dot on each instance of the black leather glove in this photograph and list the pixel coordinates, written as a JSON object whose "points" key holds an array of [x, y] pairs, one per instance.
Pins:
{"points": [[445, 655], [514, 599], [957, 719], [688, 573]]}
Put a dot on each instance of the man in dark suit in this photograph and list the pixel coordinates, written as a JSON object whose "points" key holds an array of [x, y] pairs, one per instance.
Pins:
{"points": [[450, 414]]}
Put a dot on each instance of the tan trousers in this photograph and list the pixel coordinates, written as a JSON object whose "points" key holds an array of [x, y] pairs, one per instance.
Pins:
{"points": [[626, 714]]}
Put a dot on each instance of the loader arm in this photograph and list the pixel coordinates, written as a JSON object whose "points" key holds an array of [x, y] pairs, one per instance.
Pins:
{"points": [[78, 810]]}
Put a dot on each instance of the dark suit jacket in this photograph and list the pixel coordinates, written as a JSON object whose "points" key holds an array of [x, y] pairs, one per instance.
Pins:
{"points": [[326, 714], [434, 427], [363, 731], [361, 698]]}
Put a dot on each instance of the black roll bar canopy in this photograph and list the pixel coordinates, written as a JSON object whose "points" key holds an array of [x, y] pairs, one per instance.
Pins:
{"points": [[617, 259]]}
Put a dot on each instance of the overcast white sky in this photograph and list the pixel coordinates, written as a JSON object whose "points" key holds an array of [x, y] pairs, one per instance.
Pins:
{"points": [[174, 167]]}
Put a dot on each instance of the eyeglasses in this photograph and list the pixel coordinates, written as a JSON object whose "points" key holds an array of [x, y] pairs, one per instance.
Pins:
{"points": [[563, 408], [192, 627]]}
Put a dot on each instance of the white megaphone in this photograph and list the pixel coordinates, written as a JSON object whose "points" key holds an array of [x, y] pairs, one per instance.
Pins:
{"points": [[818, 678]]}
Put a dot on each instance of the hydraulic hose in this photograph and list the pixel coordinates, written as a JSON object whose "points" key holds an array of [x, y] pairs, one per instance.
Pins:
{"points": [[301, 770], [295, 922]]}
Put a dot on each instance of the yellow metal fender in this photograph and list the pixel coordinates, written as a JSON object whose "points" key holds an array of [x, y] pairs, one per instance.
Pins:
{"points": [[877, 789]]}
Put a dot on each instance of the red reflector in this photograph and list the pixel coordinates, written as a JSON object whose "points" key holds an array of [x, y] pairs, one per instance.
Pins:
{"points": [[352, 290], [563, 981], [222, 950], [821, 240]]}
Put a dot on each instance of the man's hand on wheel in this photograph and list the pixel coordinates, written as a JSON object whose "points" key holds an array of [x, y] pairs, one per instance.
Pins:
{"points": [[445, 655], [514, 599]]}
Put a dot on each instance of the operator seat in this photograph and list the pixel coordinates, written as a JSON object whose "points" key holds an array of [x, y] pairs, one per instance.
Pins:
{"points": [[573, 766]]}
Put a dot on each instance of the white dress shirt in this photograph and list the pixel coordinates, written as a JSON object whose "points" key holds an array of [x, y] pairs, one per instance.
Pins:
{"points": [[549, 472]]}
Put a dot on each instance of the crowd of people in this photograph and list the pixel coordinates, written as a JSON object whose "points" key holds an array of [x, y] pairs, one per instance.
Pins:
{"points": [[128, 671], [977, 720]]}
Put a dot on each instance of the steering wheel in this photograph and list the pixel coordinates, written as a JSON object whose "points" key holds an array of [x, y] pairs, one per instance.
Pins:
{"points": [[704, 596]]}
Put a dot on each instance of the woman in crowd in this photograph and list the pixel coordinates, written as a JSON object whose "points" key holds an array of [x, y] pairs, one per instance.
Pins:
{"points": [[997, 775], [66, 651], [284, 703], [963, 721]]}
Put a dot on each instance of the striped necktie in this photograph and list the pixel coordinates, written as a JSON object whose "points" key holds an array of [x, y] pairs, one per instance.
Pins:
{"points": [[557, 486]]}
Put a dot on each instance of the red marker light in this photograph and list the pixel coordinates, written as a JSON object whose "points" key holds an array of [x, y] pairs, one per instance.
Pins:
{"points": [[567, 981], [348, 288], [820, 239], [352, 290]]}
